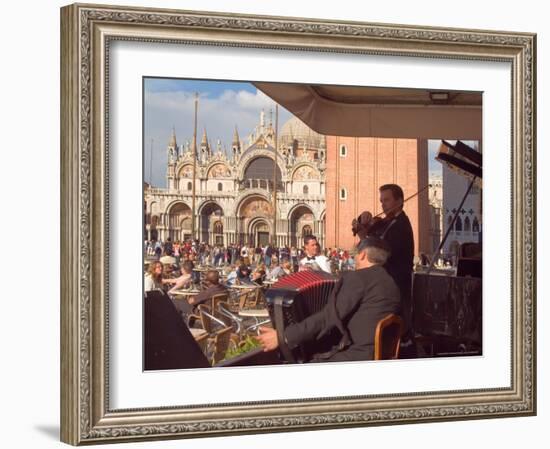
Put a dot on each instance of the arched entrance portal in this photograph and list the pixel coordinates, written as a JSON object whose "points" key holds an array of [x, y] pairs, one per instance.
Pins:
{"points": [[210, 215], [255, 216], [301, 224], [259, 232], [179, 221]]}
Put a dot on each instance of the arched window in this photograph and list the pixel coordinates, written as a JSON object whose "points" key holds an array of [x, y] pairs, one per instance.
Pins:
{"points": [[260, 170], [306, 190], [220, 186], [467, 225], [218, 227], [458, 224], [343, 151], [475, 225], [343, 194], [189, 186], [306, 230], [449, 221]]}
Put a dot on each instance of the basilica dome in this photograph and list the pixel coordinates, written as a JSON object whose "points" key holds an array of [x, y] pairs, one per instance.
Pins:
{"points": [[295, 129]]}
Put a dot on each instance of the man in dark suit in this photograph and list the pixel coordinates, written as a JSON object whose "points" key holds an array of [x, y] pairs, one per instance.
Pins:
{"points": [[213, 287], [397, 231], [363, 297]]}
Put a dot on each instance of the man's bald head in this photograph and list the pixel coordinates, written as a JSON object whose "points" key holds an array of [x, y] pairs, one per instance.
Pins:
{"points": [[213, 277]]}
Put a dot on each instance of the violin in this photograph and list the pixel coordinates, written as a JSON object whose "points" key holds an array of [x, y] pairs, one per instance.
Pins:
{"points": [[378, 220], [374, 222]]}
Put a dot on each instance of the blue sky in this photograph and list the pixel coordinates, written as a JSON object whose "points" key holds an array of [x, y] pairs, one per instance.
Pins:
{"points": [[222, 106], [169, 103], [208, 88]]}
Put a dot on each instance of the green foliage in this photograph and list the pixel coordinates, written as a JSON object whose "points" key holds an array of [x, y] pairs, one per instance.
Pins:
{"points": [[248, 344]]}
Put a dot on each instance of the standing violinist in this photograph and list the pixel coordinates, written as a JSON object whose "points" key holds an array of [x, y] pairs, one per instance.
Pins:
{"points": [[395, 228]]}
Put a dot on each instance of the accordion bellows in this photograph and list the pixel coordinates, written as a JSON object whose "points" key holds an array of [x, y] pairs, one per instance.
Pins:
{"points": [[292, 299]]}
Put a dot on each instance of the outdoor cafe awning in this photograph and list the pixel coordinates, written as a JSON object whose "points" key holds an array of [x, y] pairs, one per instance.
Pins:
{"points": [[381, 112]]}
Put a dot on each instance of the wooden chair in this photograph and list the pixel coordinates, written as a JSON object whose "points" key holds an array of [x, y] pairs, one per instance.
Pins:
{"points": [[216, 299], [243, 300], [252, 299], [209, 322], [387, 337], [229, 318], [258, 299], [202, 341], [221, 341]]}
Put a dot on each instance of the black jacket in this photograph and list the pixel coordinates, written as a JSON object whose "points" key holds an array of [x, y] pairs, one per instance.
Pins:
{"points": [[365, 297], [399, 235], [207, 294]]}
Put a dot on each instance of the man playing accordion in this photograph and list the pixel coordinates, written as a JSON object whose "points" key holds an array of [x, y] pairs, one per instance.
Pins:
{"points": [[359, 300]]}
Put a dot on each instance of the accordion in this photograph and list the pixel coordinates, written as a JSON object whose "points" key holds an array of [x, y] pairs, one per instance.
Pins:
{"points": [[292, 299]]}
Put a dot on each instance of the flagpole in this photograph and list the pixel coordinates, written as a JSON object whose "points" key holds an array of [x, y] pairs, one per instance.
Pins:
{"points": [[151, 164], [275, 177], [194, 166]]}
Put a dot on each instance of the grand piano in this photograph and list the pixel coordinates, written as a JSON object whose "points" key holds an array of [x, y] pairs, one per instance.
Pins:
{"points": [[447, 304]]}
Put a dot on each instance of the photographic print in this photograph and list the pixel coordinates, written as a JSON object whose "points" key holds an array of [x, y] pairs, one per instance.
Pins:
{"points": [[268, 240], [259, 206]]}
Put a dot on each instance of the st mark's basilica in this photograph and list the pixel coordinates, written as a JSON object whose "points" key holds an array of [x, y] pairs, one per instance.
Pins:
{"points": [[234, 192]]}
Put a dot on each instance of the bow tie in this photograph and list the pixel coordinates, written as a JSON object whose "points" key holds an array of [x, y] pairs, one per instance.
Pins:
{"points": [[310, 258]]}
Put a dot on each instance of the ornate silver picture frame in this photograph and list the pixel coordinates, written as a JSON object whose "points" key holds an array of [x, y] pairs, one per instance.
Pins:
{"points": [[87, 34]]}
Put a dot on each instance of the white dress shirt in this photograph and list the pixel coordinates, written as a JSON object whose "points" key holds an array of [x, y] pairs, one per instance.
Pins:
{"points": [[318, 263]]}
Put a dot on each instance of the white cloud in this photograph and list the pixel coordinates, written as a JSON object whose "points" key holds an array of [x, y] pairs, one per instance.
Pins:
{"points": [[218, 115]]}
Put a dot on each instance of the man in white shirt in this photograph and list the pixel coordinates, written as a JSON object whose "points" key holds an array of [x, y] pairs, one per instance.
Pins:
{"points": [[313, 260]]}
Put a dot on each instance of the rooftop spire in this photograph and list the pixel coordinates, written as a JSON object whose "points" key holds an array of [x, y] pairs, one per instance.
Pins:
{"points": [[236, 136], [173, 142]]}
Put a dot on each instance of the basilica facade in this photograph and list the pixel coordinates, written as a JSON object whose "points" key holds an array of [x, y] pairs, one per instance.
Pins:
{"points": [[234, 191]]}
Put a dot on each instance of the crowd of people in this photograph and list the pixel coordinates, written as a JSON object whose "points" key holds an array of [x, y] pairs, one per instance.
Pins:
{"points": [[268, 256], [378, 282], [172, 267]]}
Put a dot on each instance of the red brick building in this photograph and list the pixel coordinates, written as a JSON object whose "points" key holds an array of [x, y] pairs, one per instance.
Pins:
{"points": [[356, 167]]}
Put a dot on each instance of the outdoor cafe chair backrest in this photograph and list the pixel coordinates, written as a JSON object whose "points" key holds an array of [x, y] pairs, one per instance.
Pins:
{"points": [[202, 341], [387, 337], [229, 317], [216, 299], [222, 338], [243, 299], [209, 322], [251, 299]]}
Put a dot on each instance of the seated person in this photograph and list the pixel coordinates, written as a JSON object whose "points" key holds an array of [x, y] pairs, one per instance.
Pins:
{"points": [[362, 298], [153, 278], [278, 270], [287, 268], [232, 275], [213, 287], [243, 273], [183, 281], [258, 275]]}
